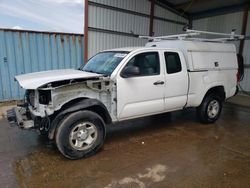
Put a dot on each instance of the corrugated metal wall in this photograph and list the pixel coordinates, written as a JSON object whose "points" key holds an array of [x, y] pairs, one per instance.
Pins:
{"points": [[23, 52], [101, 41], [225, 23], [162, 27], [107, 19], [115, 23]]}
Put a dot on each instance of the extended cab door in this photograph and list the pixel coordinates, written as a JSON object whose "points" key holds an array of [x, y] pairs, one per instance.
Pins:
{"points": [[142, 94], [176, 80]]}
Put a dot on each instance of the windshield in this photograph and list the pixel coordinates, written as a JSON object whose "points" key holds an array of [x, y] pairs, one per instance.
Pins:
{"points": [[104, 62]]}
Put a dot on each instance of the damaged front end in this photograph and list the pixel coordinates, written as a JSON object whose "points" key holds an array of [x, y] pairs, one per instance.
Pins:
{"points": [[25, 115], [42, 104], [20, 116]]}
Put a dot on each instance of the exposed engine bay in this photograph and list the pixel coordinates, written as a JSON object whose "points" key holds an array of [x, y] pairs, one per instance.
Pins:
{"points": [[44, 102]]}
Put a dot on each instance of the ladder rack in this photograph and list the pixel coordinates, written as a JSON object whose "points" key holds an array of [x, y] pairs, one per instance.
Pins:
{"points": [[190, 33]]}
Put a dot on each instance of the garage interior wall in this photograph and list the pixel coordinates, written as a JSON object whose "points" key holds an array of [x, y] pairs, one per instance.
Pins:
{"points": [[163, 27], [118, 23], [225, 23], [246, 54]]}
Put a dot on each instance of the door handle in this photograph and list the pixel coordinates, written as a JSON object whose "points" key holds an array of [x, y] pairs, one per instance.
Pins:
{"points": [[159, 83]]}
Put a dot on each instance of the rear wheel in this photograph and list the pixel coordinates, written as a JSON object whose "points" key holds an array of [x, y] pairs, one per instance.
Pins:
{"points": [[80, 134], [210, 109]]}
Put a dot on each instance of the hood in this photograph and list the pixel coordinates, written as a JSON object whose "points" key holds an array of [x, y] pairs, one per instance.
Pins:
{"points": [[38, 79]]}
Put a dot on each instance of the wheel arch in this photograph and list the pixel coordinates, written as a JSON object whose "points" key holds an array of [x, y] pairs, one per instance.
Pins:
{"points": [[215, 93], [93, 105], [217, 90]]}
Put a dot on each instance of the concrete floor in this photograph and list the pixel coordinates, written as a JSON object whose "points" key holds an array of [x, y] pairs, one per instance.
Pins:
{"points": [[240, 100], [148, 152]]}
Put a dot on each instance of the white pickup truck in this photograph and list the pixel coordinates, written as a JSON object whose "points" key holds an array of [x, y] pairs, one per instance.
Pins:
{"points": [[74, 106]]}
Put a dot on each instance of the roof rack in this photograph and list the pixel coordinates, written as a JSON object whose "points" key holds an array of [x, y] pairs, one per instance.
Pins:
{"points": [[190, 33]]}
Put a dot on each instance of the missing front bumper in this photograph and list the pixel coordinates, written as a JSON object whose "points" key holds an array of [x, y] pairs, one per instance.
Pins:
{"points": [[18, 116]]}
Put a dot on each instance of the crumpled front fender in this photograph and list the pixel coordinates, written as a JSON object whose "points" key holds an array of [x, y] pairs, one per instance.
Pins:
{"points": [[90, 104]]}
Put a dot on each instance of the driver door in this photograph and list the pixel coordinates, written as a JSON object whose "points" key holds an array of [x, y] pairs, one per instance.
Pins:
{"points": [[142, 94]]}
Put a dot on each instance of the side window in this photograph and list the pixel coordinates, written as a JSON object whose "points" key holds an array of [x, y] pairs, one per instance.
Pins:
{"points": [[173, 62], [148, 63]]}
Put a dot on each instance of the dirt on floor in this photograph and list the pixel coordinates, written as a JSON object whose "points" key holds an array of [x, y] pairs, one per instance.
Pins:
{"points": [[156, 151]]}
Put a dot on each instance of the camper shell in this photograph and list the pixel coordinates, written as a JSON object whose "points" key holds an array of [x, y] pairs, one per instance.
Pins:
{"points": [[201, 55]]}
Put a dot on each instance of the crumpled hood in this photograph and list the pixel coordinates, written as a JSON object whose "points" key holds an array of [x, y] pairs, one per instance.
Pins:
{"points": [[38, 79]]}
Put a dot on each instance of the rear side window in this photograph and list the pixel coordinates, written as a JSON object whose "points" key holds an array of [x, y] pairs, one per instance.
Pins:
{"points": [[147, 62], [173, 62]]}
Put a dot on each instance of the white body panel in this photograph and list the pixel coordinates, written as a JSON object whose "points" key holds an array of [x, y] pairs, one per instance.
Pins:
{"points": [[38, 79], [176, 87], [138, 96], [201, 82], [209, 59]]}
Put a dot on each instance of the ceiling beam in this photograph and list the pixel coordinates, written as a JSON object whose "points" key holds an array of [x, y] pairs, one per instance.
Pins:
{"points": [[183, 6], [218, 11], [171, 7]]}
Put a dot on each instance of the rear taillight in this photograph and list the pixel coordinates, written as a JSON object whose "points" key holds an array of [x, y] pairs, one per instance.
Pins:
{"points": [[238, 76], [240, 72]]}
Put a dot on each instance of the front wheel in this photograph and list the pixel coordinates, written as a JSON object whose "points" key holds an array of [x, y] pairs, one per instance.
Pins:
{"points": [[210, 109], [80, 134]]}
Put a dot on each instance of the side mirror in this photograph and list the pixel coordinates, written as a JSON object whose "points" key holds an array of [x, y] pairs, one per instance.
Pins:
{"points": [[130, 71]]}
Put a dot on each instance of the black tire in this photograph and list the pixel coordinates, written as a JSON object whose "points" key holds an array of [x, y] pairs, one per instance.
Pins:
{"points": [[204, 110], [63, 135]]}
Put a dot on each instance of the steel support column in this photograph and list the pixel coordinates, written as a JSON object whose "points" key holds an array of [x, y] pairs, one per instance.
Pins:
{"points": [[151, 22], [190, 22], [244, 27], [86, 18]]}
